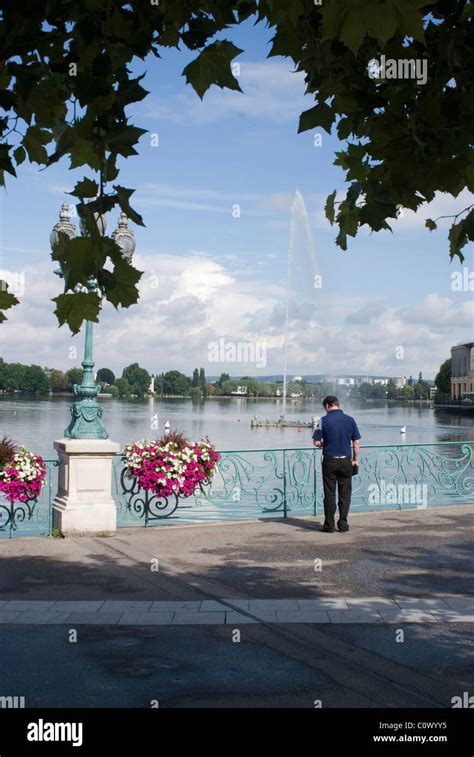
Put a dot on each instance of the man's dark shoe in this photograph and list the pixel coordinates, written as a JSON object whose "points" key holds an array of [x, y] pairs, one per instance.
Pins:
{"points": [[327, 530], [342, 527]]}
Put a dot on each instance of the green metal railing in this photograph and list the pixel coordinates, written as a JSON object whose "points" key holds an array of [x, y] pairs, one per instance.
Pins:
{"points": [[33, 517], [288, 482]]}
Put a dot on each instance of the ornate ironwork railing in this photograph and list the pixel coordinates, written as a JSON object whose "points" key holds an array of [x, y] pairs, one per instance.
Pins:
{"points": [[267, 483], [33, 517]]}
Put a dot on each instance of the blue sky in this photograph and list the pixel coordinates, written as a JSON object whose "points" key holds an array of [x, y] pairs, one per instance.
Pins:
{"points": [[210, 276]]}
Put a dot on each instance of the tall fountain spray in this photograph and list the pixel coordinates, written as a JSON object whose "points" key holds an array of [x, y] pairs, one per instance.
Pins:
{"points": [[301, 285]]}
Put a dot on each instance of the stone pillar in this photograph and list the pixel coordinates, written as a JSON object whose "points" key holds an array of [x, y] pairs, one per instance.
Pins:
{"points": [[84, 503]]}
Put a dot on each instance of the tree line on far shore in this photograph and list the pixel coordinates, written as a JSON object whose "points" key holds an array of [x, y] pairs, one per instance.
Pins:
{"points": [[135, 381]]}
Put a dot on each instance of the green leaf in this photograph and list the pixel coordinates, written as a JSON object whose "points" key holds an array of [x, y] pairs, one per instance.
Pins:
{"points": [[460, 234], [329, 207], [212, 66], [124, 291], [73, 309], [123, 199], [85, 188], [33, 142], [431, 225], [320, 115], [79, 258], [83, 153], [341, 240], [5, 160], [20, 155], [7, 300]]}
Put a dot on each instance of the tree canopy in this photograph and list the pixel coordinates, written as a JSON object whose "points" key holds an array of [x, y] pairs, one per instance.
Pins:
{"points": [[65, 84]]}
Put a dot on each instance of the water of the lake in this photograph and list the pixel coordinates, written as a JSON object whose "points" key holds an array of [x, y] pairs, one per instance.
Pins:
{"points": [[36, 423]]}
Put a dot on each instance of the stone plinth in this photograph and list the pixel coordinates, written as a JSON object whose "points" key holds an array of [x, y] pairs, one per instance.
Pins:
{"points": [[84, 504]]}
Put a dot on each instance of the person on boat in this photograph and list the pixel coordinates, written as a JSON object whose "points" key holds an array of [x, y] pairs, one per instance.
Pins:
{"points": [[338, 436]]}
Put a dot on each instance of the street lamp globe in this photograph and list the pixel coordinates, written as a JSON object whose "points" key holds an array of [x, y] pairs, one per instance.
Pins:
{"points": [[125, 238], [63, 226]]}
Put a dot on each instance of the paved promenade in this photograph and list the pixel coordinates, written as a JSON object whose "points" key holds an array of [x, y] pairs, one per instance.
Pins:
{"points": [[378, 617]]}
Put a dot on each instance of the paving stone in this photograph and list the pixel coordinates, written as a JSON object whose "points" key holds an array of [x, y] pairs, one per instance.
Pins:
{"points": [[33, 605], [460, 604], [125, 606], [273, 604], [201, 618], [354, 616], [323, 603], [211, 605], [269, 616], [421, 603], [175, 606], [371, 603], [94, 618], [303, 616], [82, 605], [407, 616], [237, 618], [242, 604], [36, 617], [146, 618]]}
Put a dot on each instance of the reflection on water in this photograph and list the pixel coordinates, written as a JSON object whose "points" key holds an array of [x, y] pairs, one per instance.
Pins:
{"points": [[36, 423]]}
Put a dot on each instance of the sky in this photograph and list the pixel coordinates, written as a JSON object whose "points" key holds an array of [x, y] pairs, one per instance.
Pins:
{"points": [[216, 194]]}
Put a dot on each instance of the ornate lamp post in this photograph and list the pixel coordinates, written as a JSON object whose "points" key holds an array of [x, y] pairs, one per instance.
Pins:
{"points": [[86, 411], [84, 503]]}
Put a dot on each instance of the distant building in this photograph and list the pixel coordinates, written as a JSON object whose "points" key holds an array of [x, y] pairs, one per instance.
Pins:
{"points": [[400, 382], [382, 381], [462, 376], [345, 382], [298, 378]]}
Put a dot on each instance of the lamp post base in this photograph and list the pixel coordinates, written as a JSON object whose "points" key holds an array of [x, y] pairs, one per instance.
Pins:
{"points": [[86, 421], [84, 503]]}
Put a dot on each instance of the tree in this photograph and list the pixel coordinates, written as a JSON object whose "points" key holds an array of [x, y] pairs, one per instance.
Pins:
{"points": [[223, 378], [105, 376], [195, 378], [74, 376], [175, 382], [421, 391], [36, 380], [391, 390], [443, 377], [420, 378], [410, 381], [123, 387], [210, 390], [202, 380], [407, 392], [65, 83], [195, 393], [138, 378], [59, 381]]}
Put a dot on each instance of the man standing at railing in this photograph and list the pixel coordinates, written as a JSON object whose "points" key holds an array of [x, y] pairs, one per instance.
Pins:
{"points": [[338, 436]]}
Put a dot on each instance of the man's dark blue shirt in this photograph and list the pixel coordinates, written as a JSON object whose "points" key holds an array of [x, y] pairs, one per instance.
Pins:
{"points": [[337, 431]]}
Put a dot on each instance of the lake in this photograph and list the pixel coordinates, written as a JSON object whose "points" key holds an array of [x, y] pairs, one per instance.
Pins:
{"points": [[36, 423]]}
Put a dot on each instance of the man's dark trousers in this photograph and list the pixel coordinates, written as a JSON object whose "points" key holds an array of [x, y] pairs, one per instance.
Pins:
{"points": [[337, 471]]}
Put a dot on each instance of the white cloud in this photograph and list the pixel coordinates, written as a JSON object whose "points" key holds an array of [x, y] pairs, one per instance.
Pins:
{"points": [[191, 300]]}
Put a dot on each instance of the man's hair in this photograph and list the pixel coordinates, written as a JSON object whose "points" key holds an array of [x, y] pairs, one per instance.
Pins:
{"points": [[330, 400]]}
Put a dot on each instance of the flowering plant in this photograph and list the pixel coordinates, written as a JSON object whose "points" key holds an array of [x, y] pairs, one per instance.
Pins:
{"points": [[171, 465], [22, 477]]}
